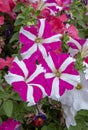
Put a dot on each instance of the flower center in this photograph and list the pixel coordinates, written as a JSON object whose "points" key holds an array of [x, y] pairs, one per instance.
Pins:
{"points": [[57, 73], [38, 40], [79, 87]]}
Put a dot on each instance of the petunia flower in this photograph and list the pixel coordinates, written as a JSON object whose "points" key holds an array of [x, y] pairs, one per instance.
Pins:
{"points": [[57, 24], [49, 5], [65, 4], [9, 124], [40, 38], [4, 6], [78, 45], [69, 115], [72, 31], [2, 63], [6, 62], [1, 20], [27, 79], [60, 74], [7, 6], [76, 99]]}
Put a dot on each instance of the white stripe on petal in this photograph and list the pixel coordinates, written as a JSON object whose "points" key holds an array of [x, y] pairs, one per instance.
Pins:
{"points": [[72, 51], [41, 88], [86, 43], [28, 34], [49, 75], [65, 64], [58, 7], [30, 97], [27, 54], [38, 71], [55, 89], [75, 42], [42, 50], [50, 4], [10, 78], [54, 38], [71, 79], [52, 12], [50, 63], [22, 66], [42, 27]]}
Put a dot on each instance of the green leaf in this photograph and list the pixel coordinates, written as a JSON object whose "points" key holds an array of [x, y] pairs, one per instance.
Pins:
{"points": [[1, 88], [18, 6], [8, 107], [20, 16], [0, 120], [18, 22], [81, 23], [44, 128], [4, 95], [14, 37], [52, 126], [16, 97]]}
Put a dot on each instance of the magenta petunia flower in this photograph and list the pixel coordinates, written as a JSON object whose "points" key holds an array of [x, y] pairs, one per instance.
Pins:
{"points": [[78, 45], [60, 74], [50, 5], [9, 124], [38, 38], [65, 4], [27, 79]]}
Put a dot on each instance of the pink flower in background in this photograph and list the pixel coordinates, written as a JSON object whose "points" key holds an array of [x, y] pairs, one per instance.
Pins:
{"points": [[10, 124], [63, 17], [6, 62], [4, 6], [38, 38], [60, 74], [72, 31], [1, 20], [7, 6], [57, 24], [2, 63], [27, 78], [9, 61]]}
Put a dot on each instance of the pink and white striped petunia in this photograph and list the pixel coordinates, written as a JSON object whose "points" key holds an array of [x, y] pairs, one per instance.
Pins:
{"points": [[78, 45], [50, 5], [27, 79], [38, 38], [65, 4], [60, 74]]}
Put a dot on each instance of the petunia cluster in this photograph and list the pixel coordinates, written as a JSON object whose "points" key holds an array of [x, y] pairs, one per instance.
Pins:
{"points": [[45, 70]]}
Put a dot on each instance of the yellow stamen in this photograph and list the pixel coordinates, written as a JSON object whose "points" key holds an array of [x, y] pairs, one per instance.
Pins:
{"points": [[79, 87], [38, 40], [57, 73]]}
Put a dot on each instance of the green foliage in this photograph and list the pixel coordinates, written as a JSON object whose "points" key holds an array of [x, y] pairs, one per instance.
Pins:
{"points": [[79, 17], [79, 62], [27, 16], [8, 107]]}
